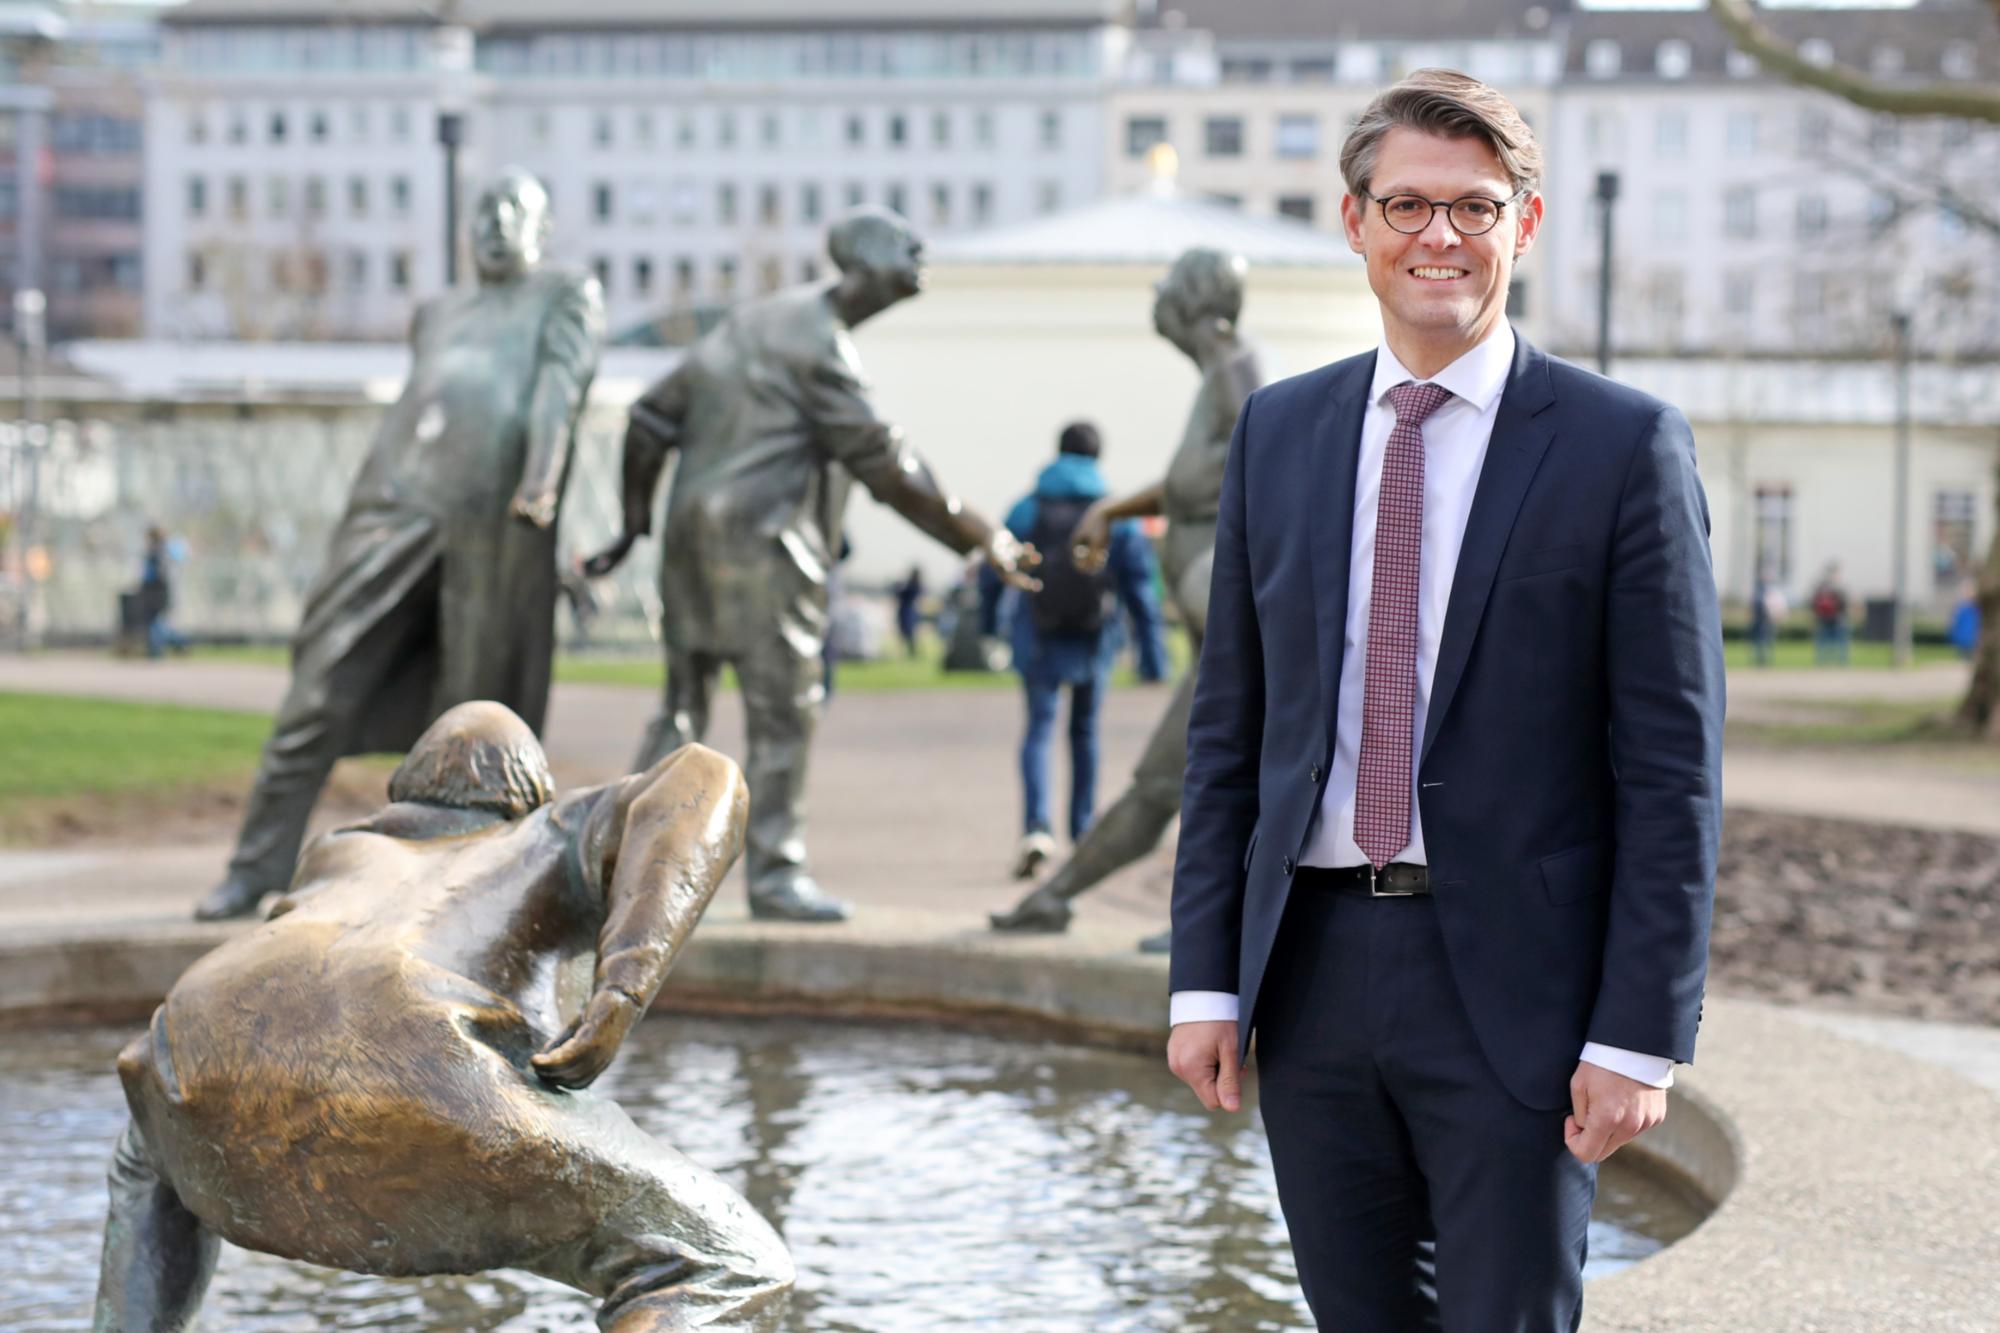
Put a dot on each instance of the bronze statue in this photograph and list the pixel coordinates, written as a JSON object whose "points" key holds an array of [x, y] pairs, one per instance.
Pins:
{"points": [[772, 426], [1196, 309], [380, 1078], [441, 582]]}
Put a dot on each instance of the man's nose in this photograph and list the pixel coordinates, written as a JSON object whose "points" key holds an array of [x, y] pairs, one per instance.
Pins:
{"points": [[1439, 231]]}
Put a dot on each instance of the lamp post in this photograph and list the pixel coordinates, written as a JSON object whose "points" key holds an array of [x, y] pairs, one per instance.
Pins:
{"points": [[1900, 320], [451, 133], [1607, 195], [30, 338]]}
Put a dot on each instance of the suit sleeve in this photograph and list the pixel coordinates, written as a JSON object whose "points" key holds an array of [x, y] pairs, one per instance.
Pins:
{"points": [[652, 432], [1663, 654], [572, 336], [1225, 743]]}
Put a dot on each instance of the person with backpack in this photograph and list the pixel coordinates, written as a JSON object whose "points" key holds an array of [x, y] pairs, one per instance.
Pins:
{"points": [[1831, 635], [1067, 633]]}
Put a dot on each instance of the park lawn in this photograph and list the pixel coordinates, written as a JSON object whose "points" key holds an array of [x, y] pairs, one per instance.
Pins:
{"points": [[1792, 653], [54, 745]]}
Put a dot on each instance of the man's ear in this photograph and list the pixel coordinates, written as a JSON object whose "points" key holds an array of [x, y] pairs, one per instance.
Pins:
{"points": [[1351, 219], [1529, 224]]}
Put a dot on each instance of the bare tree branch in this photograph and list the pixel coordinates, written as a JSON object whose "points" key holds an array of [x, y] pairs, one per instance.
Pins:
{"points": [[1967, 101]]}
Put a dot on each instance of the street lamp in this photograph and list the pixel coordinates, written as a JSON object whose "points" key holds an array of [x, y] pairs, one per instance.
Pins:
{"points": [[1607, 195], [1900, 321], [451, 133], [30, 339]]}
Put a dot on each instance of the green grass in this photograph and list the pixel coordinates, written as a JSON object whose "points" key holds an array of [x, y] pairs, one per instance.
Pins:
{"points": [[55, 746], [1854, 722], [1790, 653]]}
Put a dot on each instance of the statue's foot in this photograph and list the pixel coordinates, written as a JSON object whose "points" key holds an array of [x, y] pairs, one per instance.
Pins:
{"points": [[1036, 849], [1040, 913], [1160, 943], [801, 900], [230, 899]]}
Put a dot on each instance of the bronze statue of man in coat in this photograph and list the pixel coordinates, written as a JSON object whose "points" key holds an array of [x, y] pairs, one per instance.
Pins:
{"points": [[440, 586], [772, 426], [380, 1077]]}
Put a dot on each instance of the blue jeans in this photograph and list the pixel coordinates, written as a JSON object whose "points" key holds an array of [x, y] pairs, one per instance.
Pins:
{"points": [[1043, 698]]}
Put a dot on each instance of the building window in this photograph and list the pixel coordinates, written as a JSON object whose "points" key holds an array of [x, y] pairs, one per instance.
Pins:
{"points": [[399, 196], [277, 127], [1739, 64], [1809, 296], [809, 205], [1669, 216], [1739, 293], [197, 127], [399, 270], [940, 204], [316, 127], [357, 196], [1247, 69], [857, 131], [982, 129], [1601, 59], [1816, 51], [941, 129], [1298, 136], [897, 200], [898, 130], [770, 129], [725, 130], [1883, 210], [725, 203], [1605, 133], [684, 131], [600, 129], [357, 270], [642, 128], [1811, 216], [197, 197], [1951, 537], [239, 127], [1739, 212], [770, 275], [1298, 206], [1742, 133], [1143, 134], [1232, 202], [277, 196], [725, 277], [1052, 129], [1670, 134], [1222, 136], [808, 270], [1048, 197], [399, 124], [1517, 298], [1313, 70], [197, 272], [769, 212], [1885, 62], [1815, 130], [600, 268], [1672, 59], [1960, 60], [357, 124], [683, 276], [239, 198], [857, 194], [982, 204], [1773, 509], [600, 201], [315, 196]]}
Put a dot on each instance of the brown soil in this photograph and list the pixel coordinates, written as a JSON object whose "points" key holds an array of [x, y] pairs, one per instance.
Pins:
{"points": [[1892, 920]]}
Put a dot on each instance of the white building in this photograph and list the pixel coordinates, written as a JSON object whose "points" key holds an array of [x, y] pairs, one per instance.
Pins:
{"points": [[694, 151]]}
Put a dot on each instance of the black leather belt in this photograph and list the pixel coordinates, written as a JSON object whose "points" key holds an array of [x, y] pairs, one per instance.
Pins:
{"points": [[1395, 880]]}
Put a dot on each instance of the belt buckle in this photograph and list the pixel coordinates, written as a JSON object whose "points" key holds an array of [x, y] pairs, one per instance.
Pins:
{"points": [[1375, 889]]}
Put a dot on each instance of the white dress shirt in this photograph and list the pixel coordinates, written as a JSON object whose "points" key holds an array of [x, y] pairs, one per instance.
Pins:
{"points": [[1455, 439]]}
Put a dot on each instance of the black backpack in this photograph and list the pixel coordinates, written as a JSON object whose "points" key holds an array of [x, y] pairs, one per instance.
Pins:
{"points": [[1071, 604]]}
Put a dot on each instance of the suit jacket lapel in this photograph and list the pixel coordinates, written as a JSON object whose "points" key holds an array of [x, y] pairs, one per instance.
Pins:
{"points": [[1512, 456], [1336, 450]]}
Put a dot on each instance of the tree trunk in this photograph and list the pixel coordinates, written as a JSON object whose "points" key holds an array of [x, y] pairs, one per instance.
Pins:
{"points": [[1980, 713]]}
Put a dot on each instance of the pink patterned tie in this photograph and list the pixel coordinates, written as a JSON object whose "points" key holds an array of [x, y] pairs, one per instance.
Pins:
{"points": [[1389, 700]]}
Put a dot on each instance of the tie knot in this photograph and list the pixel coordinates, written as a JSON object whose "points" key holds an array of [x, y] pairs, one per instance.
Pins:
{"points": [[1414, 402]]}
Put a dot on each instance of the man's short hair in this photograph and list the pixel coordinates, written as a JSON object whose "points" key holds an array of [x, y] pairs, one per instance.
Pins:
{"points": [[1211, 281], [478, 756], [1080, 437], [858, 236], [1450, 105]]}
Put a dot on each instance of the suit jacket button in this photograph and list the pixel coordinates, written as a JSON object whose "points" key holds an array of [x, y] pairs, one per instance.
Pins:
{"points": [[1315, 775], [1287, 865]]}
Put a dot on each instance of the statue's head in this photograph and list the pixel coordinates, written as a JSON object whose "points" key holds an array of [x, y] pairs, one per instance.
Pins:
{"points": [[510, 226], [1204, 287], [879, 255], [478, 756]]}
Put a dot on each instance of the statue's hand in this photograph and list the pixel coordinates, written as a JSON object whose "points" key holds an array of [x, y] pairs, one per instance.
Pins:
{"points": [[1090, 541], [539, 510], [1013, 559], [575, 1059], [609, 558]]}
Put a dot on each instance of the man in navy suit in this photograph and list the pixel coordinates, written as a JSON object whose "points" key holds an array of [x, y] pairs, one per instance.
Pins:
{"points": [[1449, 831]]}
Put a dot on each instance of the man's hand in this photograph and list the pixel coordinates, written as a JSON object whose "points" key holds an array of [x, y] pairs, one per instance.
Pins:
{"points": [[1090, 540], [609, 558], [1608, 1111], [539, 510], [1013, 558], [1203, 1056], [575, 1059]]}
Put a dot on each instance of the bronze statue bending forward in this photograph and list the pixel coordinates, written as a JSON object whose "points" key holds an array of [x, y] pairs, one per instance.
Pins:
{"points": [[441, 582], [380, 1079]]}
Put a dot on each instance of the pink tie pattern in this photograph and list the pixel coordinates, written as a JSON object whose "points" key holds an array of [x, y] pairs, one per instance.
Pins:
{"points": [[1389, 698]]}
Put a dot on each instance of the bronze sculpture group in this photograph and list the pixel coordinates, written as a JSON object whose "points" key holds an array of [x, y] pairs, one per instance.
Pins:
{"points": [[390, 1074]]}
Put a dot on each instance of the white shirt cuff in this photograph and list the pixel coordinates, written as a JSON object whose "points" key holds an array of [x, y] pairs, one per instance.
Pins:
{"points": [[1201, 1006], [1655, 1071]]}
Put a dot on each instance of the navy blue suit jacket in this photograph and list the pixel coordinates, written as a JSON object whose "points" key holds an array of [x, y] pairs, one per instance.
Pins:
{"points": [[1569, 775]]}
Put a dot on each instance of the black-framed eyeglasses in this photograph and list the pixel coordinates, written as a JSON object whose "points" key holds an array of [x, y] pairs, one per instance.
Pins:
{"points": [[1470, 215]]}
